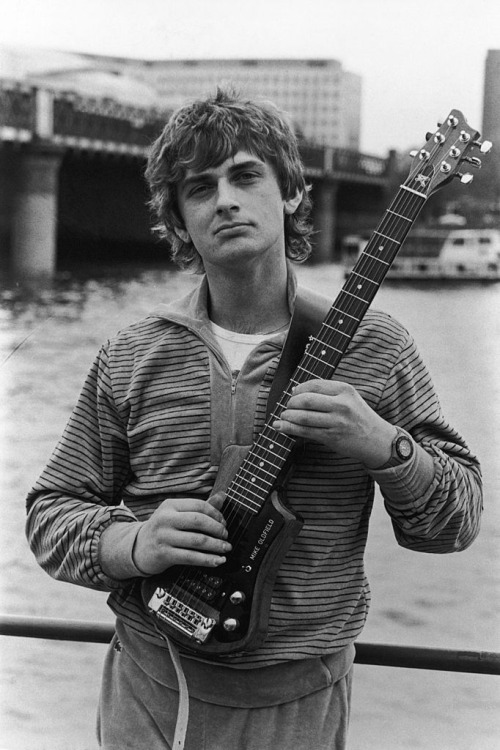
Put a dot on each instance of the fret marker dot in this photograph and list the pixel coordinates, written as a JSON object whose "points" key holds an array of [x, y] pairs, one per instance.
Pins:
{"points": [[323, 352], [359, 286], [380, 248], [271, 446], [341, 321], [261, 464], [253, 479]]}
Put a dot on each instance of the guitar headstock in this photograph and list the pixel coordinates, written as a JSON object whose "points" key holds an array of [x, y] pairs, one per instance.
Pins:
{"points": [[440, 159]]}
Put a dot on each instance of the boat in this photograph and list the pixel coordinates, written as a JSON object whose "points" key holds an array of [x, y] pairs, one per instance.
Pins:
{"points": [[438, 254]]}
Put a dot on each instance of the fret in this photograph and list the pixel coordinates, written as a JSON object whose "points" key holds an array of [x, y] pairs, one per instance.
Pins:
{"points": [[394, 213], [241, 501], [346, 313], [369, 255], [246, 490], [318, 359], [386, 237], [262, 470], [351, 294], [280, 407], [330, 346], [283, 441], [271, 453], [258, 474], [312, 374], [337, 330], [356, 273]]}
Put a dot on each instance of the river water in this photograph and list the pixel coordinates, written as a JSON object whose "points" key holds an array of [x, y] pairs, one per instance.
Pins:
{"points": [[48, 690]]}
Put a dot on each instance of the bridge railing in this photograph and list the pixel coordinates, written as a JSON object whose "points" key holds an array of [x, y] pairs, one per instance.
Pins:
{"points": [[68, 119], [72, 120], [17, 108], [377, 654]]}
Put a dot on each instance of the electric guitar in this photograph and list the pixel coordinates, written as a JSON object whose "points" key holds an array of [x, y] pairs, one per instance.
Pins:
{"points": [[226, 610]]}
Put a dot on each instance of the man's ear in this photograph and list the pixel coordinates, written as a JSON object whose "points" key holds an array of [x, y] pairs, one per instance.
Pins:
{"points": [[182, 234], [292, 204]]}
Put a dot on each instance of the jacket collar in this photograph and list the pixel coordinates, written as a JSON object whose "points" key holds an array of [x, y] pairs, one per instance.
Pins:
{"points": [[191, 310]]}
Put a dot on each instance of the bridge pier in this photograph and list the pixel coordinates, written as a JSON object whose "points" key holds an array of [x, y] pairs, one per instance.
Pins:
{"points": [[34, 212], [325, 220]]}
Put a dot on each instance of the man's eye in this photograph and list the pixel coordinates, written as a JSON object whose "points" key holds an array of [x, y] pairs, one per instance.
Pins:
{"points": [[199, 189], [247, 176]]}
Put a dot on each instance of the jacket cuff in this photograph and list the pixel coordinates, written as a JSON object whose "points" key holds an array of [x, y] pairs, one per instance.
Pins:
{"points": [[116, 547]]}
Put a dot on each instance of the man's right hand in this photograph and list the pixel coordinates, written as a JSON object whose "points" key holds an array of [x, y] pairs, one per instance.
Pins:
{"points": [[182, 531]]}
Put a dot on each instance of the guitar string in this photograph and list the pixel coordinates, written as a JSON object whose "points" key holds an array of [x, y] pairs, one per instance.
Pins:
{"points": [[346, 309], [366, 265], [355, 306]]}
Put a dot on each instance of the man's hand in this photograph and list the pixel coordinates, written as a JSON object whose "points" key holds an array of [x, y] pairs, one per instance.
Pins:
{"points": [[334, 414], [182, 531]]}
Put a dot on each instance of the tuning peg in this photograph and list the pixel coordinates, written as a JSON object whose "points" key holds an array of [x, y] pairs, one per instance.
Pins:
{"points": [[484, 147], [466, 178], [473, 161]]}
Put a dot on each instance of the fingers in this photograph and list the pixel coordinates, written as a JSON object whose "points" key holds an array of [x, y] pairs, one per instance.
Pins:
{"points": [[318, 392], [182, 531], [210, 508], [310, 405]]}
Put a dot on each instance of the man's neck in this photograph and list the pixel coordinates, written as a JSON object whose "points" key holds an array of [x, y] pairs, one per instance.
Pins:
{"points": [[250, 302]]}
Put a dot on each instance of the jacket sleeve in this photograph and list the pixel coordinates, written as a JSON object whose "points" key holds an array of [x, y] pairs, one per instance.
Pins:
{"points": [[79, 493], [435, 505]]}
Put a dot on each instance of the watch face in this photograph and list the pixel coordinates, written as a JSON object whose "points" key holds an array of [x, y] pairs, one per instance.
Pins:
{"points": [[404, 447]]}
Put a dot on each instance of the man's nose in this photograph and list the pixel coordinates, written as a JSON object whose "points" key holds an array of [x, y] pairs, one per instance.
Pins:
{"points": [[227, 199]]}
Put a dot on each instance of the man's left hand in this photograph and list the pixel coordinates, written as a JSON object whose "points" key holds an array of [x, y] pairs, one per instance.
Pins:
{"points": [[335, 414]]}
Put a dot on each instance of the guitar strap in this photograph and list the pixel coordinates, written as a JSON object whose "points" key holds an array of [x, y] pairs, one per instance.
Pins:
{"points": [[309, 313]]}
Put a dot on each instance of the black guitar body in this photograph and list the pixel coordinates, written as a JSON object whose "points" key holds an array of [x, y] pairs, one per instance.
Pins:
{"points": [[225, 610]]}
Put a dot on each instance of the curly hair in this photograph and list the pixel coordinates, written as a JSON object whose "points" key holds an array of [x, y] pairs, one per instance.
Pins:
{"points": [[203, 134]]}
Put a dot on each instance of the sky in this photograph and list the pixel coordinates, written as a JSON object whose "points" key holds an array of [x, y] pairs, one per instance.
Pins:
{"points": [[418, 59]]}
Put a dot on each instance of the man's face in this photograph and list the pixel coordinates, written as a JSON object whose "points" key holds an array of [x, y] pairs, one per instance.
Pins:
{"points": [[234, 213]]}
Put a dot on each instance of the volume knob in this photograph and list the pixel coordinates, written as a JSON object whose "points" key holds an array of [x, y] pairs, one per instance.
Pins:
{"points": [[237, 597], [230, 624]]}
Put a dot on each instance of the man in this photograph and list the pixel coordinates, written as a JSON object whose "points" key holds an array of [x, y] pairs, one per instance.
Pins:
{"points": [[125, 494]]}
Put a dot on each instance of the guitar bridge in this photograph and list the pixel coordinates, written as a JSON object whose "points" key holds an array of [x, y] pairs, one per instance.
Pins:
{"points": [[188, 621]]}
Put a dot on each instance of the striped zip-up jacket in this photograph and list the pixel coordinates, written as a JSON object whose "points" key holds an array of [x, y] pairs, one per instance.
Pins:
{"points": [[156, 411]]}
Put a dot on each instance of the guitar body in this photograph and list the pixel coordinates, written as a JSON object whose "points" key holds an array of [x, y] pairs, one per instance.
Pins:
{"points": [[226, 609]]}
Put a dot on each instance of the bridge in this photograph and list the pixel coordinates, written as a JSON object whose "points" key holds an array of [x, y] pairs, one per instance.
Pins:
{"points": [[71, 184]]}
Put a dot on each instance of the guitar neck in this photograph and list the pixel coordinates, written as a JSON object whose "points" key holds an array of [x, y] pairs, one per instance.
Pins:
{"points": [[271, 452]]}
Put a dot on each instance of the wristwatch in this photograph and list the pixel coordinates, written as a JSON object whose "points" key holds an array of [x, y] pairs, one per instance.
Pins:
{"points": [[402, 450]]}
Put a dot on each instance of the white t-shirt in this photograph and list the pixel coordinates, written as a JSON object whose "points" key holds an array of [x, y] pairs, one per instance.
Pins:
{"points": [[237, 346]]}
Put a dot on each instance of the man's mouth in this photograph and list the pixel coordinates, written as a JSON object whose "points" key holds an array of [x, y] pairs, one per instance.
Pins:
{"points": [[228, 228]]}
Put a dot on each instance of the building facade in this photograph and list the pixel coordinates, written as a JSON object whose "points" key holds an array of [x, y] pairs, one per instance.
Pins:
{"points": [[323, 99], [491, 98], [491, 126]]}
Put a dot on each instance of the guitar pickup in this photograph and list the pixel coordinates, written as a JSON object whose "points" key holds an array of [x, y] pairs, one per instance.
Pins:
{"points": [[207, 587], [180, 616]]}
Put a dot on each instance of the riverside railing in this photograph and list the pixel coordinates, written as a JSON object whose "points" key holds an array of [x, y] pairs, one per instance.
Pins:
{"points": [[376, 654]]}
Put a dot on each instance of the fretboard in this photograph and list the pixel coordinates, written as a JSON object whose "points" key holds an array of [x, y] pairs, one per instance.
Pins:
{"points": [[269, 455]]}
